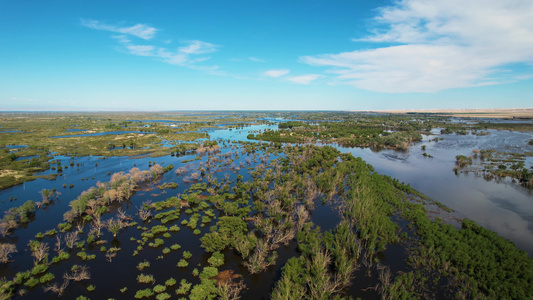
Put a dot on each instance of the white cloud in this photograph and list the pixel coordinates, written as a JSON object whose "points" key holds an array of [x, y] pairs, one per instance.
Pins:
{"points": [[437, 45], [304, 79], [255, 59], [276, 73], [185, 56], [198, 47], [139, 30], [141, 50]]}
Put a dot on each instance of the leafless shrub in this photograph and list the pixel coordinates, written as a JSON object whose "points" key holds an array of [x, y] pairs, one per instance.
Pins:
{"points": [[70, 216], [195, 175], [156, 170], [114, 226], [302, 215], [40, 251], [97, 225], [70, 239], [259, 260], [81, 224], [6, 226], [229, 290], [5, 252], [123, 216], [92, 206], [56, 288], [110, 255], [144, 214], [181, 171], [79, 273], [58, 249]]}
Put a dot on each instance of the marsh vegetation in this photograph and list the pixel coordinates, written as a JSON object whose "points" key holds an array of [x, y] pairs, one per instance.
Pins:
{"points": [[206, 219]]}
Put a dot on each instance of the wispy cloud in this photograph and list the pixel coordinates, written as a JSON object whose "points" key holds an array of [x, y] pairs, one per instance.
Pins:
{"points": [[188, 55], [141, 50], [197, 47], [276, 73], [139, 30], [255, 59], [304, 79], [437, 45]]}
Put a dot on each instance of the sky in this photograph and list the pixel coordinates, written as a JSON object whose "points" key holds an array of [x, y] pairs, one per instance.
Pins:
{"points": [[265, 55]]}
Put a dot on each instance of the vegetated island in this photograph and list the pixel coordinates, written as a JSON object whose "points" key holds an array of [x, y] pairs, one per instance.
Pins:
{"points": [[227, 214]]}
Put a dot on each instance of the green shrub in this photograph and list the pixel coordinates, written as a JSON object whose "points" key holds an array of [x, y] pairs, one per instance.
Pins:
{"points": [[170, 282], [160, 288], [146, 293], [38, 269], [182, 263], [31, 282], [145, 278], [143, 265], [184, 288], [163, 296], [46, 278]]}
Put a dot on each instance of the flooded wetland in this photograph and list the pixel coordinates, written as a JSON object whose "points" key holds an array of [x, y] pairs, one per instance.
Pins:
{"points": [[265, 205]]}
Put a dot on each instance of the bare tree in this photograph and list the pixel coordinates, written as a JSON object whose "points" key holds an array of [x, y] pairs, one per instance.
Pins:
{"points": [[144, 214], [97, 225], [110, 255], [40, 251], [79, 273], [70, 239], [58, 248], [259, 260], [5, 252], [6, 226], [114, 226], [81, 224], [92, 206], [123, 216], [302, 215], [229, 290], [56, 288]]}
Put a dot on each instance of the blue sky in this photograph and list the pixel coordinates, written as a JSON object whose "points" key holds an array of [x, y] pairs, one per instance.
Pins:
{"points": [[276, 55]]}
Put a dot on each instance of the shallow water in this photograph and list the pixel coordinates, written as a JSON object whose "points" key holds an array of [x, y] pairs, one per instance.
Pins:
{"points": [[504, 206]]}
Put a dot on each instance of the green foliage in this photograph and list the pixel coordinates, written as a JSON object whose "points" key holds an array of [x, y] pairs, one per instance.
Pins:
{"points": [[187, 254], [38, 269], [160, 288], [205, 290], [145, 278], [163, 296], [51, 232], [184, 287], [182, 263], [175, 247], [170, 282], [216, 259], [145, 293], [143, 265], [46, 278], [21, 277], [31, 282], [228, 228]]}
